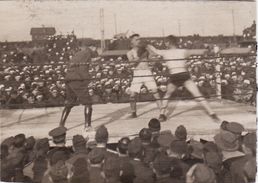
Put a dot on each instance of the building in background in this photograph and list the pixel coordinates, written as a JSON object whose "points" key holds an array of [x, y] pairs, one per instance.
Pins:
{"points": [[41, 33]]}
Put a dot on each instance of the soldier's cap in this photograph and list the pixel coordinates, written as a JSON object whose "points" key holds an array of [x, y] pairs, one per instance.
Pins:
{"points": [[145, 135], [196, 149], [227, 141], [79, 141], [96, 156], [179, 147], [165, 140], [181, 133], [8, 141], [154, 125], [123, 143], [57, 156], [101, 134], [162, 163], [223, 125], [250, 168], [213, 160], [203, 174], [30, 142], [249, 140], [235, 128], [135, 146], [42, 143], [58, 134]]}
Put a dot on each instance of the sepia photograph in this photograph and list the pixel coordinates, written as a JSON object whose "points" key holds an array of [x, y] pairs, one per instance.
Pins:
{"points": [[134, 91]]}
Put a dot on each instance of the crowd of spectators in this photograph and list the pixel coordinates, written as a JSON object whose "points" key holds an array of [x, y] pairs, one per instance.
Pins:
{"points": [[152, 156], [27, 81]]}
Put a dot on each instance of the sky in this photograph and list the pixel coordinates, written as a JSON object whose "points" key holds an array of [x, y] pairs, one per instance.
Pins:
{"points": [[152, 18]]}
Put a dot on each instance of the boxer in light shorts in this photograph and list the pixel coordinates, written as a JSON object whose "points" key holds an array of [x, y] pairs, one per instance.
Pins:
{"points": [[142, 74], [179, 75]]}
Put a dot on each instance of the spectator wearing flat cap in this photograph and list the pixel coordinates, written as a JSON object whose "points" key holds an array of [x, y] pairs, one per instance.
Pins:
{"points": [[177, 151], [228, 143], [79, 148], [96, 160], [101, 138], [237, 168], [149, 152], [164, 141], [80, 171], [59, 139], [200, 173], [111, 170], [142, 172]]}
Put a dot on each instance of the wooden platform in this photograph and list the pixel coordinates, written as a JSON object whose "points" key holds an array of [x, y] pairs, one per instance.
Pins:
{"points": [[38, 122]]}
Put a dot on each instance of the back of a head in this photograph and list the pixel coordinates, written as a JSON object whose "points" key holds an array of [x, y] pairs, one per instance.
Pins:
{"points": [[145, 135], [19, 140], [154, 125], [79, 142], [123, 145], [203, 174], [101, 135], [133, 36], [181, 133], [172, 40], [96, 156]]}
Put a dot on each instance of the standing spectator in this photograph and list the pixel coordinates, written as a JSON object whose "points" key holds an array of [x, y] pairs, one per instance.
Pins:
{"points": [[142, 172], [96, 159], [80, 171]]}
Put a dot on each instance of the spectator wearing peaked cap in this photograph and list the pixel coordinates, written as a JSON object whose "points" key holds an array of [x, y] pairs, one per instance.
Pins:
{"points": [[136, 152], [59, 138], [122, 149], [79, 148], [111, 170], [181, 133], [96, 159], [80, 171], [200, 173]]}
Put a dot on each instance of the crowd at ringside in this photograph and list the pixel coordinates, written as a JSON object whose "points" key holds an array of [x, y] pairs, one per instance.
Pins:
{"points": [[23, 84], [152, 156], [44, 85]]}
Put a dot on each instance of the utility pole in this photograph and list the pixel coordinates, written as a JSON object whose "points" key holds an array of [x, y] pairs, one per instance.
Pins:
{"points": [[233, 22], [179, 27], [102, 29], [115, 23]]}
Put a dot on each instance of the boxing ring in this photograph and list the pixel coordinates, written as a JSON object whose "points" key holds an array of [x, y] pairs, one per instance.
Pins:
{"points": [[181, 111]]}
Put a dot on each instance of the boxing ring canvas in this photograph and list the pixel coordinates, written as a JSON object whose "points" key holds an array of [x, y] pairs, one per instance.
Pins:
{"points": [[38, 121]]}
